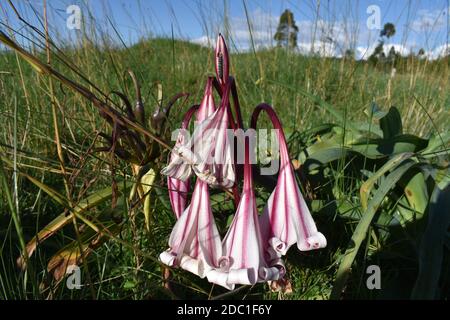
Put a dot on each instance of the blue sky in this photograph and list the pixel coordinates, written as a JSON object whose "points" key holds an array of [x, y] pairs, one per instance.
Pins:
{"points": [[333, 27]]}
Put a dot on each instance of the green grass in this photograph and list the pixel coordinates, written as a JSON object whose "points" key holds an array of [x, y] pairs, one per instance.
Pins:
{"points": [[123, 266]]}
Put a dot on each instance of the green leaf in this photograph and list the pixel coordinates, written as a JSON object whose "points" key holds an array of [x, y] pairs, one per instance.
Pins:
{"points": [[55, 195], [391, 124], [437, 142], [63, 219], [379, 148], [322, 157], [432, 244], [367, 186], [361, 229], [147, 182], [417, 195]]}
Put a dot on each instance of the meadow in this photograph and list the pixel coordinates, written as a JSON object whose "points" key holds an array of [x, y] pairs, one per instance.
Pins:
{"points": [[375, 177]]}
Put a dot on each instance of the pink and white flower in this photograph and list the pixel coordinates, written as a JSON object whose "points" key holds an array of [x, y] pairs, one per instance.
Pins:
{"points": [[244, 261], [212, 148], [179, 188], [252, 248], [195, 243], [286, 219], [208, 152]]}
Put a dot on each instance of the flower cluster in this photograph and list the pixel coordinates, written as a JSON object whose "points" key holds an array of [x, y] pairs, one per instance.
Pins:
{"points": [[254, 244]]}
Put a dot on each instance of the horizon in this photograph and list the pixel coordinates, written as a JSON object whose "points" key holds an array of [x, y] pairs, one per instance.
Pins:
{"points": [[325, 28]]}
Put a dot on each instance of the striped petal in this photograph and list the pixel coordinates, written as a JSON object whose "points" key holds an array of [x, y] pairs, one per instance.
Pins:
{"points": [[208, 153], [178, 192], [286, 219], [213, 150], [244, 261], [194, 243], [179, 188]]}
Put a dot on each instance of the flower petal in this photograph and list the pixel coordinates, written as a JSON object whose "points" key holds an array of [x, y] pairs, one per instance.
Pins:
{"points": [[195, 243], [178, 192], [286, 218], [243, 249]]}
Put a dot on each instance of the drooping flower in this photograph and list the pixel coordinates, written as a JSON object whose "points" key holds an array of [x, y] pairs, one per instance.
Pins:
{"points": [[207, 106], [244, 261], [252, 248], [286, 219], [195, 243], [179, 188], [208, 152]]}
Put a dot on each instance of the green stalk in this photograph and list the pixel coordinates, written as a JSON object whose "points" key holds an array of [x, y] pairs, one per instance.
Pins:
{"points": [[14, 213]]}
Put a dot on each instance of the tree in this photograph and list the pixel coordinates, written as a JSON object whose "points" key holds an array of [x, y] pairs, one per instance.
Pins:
{"points": [[378, 54], [349, 54], [286, 35], [388, 30], [392, 56]]}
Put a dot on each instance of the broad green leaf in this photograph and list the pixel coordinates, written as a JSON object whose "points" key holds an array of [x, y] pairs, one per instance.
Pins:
{"points": [[432, 245], [438, 142], [379, 148], [417, 194], [361, 229], [367, 186], [391, 123]]}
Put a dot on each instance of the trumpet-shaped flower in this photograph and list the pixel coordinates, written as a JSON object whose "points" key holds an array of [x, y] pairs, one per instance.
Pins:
{"points": [[212, 147], [244, 261], [286, 219], [208, 152], [195, 243], [178, 188], [252, 248]]}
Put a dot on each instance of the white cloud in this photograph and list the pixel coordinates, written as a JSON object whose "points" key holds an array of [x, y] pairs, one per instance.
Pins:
{"points": [[438, 52], [430, 20], [203, 41], [263, 26], [320, 48], [364, 53], [331, 39]]}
